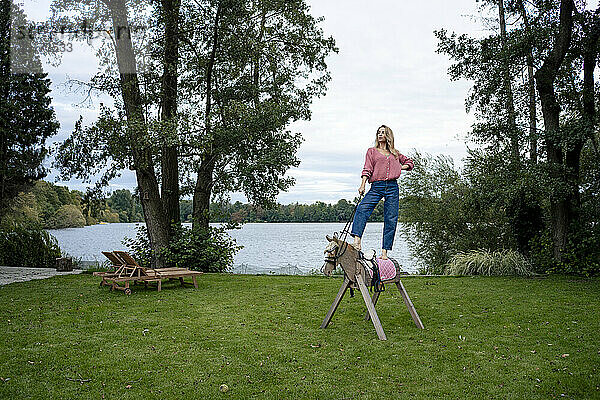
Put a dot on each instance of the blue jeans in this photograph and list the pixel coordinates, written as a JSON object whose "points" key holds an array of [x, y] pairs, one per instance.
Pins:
{"points": [[379, 189]]}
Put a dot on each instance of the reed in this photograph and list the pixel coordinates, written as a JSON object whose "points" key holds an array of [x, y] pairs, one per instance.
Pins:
{"points": [[484, 262]]}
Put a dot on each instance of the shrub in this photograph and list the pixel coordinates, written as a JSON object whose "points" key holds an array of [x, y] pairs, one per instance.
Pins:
{"points": [[581, 256], [484, 262], [67, 216], [447, 211], [108, 216], [210, 251], [28, 247], [540, 255]]}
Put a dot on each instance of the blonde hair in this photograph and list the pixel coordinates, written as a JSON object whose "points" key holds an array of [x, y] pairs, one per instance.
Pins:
{"points": [[389, 140]]}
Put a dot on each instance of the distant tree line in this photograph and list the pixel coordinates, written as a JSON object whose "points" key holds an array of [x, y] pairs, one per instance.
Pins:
{"points": [[52, 206], [295, 212]]}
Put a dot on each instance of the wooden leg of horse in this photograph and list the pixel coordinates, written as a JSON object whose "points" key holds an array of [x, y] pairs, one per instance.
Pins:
{"points": [[370, 308], [409, 305], [336, 303], [374, 300], [195, 283]]}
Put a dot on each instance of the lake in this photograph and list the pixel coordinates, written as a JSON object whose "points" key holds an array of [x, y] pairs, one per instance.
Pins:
{"points": [[270, 248]]}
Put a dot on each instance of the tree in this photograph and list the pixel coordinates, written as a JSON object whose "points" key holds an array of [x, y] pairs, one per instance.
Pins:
{"points": [[244, 71], [545, 79], [555, 46], [507, 87], [531, 98], [26, 117], [255, 69], [127, 206], [565, 141], [132, 122], [67, 216], [169, 18]]}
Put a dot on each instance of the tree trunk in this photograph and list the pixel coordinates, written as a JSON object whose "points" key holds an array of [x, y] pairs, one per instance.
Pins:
{"points": [[169, 164], [156, 223], [5, 17], [204, 180], [545, 77], [202, 194], [510, 106], [533, 135]]}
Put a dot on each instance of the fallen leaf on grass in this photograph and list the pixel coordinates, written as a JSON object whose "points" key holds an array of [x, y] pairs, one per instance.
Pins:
{"points": [[565, 355]]}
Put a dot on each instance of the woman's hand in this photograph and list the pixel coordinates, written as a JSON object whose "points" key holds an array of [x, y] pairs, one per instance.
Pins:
{"points": [[361, 190]]}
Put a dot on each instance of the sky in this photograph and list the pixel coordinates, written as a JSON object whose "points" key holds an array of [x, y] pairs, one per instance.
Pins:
{"points": [[386, 72]]}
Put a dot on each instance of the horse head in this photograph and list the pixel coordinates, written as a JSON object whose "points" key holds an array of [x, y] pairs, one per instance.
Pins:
{"points": [[335, 249], [330, 256]]}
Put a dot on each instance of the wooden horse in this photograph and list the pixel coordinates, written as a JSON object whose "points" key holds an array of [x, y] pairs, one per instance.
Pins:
{"points": [[357, 276]]}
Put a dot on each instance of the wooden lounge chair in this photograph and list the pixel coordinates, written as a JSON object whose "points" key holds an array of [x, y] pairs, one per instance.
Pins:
{"points": [[130, 271], [130, 266], [115, 269], [117, 263]]}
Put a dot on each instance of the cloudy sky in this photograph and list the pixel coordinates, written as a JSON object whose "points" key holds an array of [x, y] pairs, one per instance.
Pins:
{"points": [[386, 72]]}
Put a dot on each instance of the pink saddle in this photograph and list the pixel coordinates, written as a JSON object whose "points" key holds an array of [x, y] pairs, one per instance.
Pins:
{"points": [[387, 269]]}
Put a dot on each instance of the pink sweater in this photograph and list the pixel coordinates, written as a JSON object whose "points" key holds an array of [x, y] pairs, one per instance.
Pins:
{"points": [[381, 168]]}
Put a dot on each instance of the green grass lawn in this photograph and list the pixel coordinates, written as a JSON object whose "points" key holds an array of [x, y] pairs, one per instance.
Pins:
{"points": [[65, 337]]}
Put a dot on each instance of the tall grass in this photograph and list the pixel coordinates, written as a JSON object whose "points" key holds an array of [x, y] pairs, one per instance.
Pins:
{"points": [[28, 247], [485, 262]]}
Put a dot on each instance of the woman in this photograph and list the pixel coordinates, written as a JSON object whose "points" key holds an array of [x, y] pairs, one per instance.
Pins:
{"points": [[383, 165]]}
